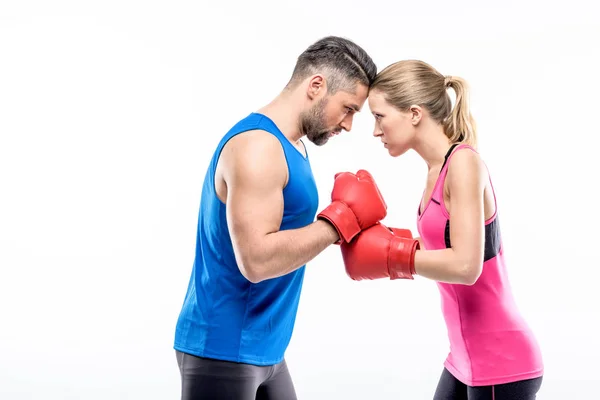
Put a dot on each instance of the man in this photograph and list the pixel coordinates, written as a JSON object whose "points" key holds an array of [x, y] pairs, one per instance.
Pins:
{"points": [[257, 228]]}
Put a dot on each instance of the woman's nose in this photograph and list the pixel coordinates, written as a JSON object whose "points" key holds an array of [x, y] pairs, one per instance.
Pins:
{"points": [[377, 131]]}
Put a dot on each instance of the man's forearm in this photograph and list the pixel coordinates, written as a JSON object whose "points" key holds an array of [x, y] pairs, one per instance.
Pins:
{"points": [[285, 251]]}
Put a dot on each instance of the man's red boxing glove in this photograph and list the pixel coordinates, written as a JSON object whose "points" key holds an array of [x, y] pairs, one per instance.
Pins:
{"points": [[380, 252], [356, 204]]}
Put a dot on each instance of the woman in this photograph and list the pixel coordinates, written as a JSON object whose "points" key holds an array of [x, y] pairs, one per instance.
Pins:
{"points": [[493, 353]]}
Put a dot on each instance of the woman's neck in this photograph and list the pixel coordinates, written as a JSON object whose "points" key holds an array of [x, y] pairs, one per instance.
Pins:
{"points": [[432, 144]]}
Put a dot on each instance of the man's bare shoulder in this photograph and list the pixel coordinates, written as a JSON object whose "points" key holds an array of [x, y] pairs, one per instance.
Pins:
{"points": [[254, 154], [256, 140]]}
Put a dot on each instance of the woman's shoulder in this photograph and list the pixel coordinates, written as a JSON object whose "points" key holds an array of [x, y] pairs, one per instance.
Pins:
{"points": [[466, 165]]}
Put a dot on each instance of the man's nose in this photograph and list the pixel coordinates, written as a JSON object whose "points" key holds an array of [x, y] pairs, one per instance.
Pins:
{"points": [[346, 123]]}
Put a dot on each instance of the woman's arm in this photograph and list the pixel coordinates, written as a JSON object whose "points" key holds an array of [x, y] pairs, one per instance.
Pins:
{"points": [[463, 262]]}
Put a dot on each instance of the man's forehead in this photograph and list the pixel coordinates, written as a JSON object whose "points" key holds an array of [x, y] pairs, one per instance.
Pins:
{"points": [[356, 99]]}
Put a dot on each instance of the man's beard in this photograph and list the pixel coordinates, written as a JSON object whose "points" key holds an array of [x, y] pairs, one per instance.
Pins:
{"points": [[313, 125]]}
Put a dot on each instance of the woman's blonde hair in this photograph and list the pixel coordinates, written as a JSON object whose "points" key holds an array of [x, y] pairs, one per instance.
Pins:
{"points": [[413, 82]]}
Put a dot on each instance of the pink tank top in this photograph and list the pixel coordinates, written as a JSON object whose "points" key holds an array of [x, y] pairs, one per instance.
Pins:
{"points": [[490, 343]]}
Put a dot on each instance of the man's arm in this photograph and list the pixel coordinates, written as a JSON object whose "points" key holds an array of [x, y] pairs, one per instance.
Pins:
{"points": [[463, 262], [255, 172]]}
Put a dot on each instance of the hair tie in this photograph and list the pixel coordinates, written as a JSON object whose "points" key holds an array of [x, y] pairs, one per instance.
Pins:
{"points": [[447, 80]]}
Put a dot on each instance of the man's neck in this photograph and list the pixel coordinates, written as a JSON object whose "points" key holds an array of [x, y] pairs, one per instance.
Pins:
{"points": [[285, 111]]}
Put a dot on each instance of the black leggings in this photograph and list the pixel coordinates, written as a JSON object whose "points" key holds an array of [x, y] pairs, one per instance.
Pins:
{"points": [[209, 379], [450, 388]]}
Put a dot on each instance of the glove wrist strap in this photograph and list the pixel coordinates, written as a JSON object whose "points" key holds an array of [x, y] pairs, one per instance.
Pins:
{"points": [[401, 258], [343, 219]]}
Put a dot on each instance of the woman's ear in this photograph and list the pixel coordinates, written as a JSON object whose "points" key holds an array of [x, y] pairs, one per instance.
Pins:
{"points": [[416, 113]]}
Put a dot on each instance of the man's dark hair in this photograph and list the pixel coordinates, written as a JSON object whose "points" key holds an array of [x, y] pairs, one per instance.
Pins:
{"points": [[343, 62]]}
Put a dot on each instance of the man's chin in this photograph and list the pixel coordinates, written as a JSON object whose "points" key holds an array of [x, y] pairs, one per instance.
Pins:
{"points": [[320, 139]]}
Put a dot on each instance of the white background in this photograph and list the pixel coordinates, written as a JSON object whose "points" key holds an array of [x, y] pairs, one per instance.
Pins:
{"points": [[109, 112]]}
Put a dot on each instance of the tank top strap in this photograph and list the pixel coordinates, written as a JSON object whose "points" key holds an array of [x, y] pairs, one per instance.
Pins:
{"points": [[260, 121], [252, 122], [438, 191]]}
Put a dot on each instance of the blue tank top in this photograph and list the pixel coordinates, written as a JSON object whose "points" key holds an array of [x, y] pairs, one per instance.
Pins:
{"points": [[225, 316]]}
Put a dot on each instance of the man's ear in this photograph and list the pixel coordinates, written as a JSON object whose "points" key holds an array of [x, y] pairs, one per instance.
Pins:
{"points": [[416, 114], [317, 86]]}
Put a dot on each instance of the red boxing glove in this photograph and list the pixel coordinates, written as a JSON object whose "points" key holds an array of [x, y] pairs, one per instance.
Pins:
{"points": [[380, 252], [356, 204]]}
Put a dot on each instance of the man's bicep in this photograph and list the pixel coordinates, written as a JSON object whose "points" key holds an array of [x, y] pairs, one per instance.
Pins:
{"points": [[254, 209], [254, 180]]}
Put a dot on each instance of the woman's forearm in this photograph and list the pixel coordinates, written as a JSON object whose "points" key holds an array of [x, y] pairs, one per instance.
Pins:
{"points": [[445, 266]]}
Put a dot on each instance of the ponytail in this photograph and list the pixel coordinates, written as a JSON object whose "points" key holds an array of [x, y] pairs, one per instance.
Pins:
{"points": [[459, 126]]}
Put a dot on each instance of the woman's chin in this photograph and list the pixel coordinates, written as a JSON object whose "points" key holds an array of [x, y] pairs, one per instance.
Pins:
{"points": [[396, 151]]}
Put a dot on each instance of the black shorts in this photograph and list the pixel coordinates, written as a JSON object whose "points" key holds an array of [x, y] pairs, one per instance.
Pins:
{"points": [[450, 388], [209, 379]]}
